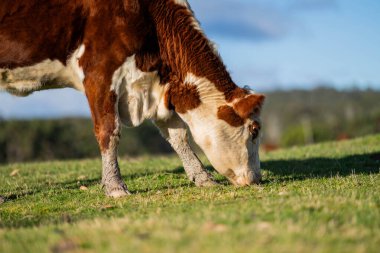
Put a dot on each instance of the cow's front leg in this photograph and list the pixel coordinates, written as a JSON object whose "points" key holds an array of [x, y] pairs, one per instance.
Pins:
{"points": [[103, 104], [175, 132]]}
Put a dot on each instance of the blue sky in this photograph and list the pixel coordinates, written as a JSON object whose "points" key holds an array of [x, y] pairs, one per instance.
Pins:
{"points": [[267, 44], [296, 43]]}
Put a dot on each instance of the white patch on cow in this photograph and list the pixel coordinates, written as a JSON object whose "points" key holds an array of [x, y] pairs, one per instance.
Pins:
{"points": [[162, 113], [240, 153], [140, 95], [193, 79], [208, 93], [48, 74], [73, 64]]}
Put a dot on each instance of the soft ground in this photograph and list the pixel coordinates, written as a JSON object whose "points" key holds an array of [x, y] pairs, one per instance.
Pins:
{"points": [[321, 198]]}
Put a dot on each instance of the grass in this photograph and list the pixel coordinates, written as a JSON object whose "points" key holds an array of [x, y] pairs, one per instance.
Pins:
{"points": [[320, 198]]}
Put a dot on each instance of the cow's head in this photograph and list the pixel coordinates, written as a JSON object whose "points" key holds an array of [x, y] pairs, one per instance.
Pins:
{"points": [[227, 132], [237, 140]]}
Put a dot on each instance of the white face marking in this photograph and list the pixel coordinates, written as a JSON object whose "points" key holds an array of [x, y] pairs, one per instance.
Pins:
{"points": [[47, 74], [240, 159], [140, 94]]}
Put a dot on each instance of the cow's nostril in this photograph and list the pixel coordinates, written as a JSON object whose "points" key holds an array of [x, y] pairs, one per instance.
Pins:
{"points": [[231, 176]]}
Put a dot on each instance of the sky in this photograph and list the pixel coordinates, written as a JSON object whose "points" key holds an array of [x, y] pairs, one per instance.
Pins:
{"points": [[267, 45]]}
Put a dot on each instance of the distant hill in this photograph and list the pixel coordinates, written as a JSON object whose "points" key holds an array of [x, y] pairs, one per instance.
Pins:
{"points": [[301, 117]]}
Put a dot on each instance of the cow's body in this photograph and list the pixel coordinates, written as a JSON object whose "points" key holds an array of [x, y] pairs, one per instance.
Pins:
{"points": [[135, 60]]}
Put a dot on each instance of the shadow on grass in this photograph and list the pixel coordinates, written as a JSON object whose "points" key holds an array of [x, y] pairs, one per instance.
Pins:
{"points": [[290, 170], [71, 185], [75, 184], [210, 169]]}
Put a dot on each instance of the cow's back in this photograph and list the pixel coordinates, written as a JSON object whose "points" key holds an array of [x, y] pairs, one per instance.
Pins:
{"points": [[48, 44], [34, 30]]}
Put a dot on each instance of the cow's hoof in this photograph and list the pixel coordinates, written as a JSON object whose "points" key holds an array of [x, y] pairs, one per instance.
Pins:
{"points": [[118, 194], [206, 183], [117, 190]]}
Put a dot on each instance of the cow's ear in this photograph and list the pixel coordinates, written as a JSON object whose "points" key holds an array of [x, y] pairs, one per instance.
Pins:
{"points": [[249, 105]]}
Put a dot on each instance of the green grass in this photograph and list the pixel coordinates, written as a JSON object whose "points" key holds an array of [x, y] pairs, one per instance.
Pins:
{"points": [[321, 198]]}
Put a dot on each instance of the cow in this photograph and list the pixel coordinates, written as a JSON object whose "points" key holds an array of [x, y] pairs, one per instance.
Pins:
{"points": [[135, 60]]}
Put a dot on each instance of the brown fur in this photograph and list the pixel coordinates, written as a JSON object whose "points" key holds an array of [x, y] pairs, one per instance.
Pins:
{"points": [[183, 97], [186, 50], [249, 105], [32, 31], [228, 114], [159, 32], [114, 34], [242, 110]]}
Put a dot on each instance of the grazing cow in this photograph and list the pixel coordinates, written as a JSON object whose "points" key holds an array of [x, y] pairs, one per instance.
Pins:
{"points": [[135, 60]]}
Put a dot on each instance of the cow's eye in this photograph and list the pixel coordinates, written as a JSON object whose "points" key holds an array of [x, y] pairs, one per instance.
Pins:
{"points": [[254, 130]]}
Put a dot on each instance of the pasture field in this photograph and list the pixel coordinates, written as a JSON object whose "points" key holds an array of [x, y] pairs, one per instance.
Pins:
{"points": [[320, 198]]}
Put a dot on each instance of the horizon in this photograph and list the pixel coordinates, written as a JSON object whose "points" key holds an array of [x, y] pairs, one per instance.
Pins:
{"points": [[79, 108]]}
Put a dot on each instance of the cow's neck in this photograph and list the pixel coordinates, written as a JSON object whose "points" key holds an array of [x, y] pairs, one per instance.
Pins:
{"points": [[187, 51], [194, 81]]}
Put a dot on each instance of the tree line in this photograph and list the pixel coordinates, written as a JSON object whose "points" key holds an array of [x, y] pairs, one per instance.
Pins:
{"points": [[70, 138], [289, 118]]}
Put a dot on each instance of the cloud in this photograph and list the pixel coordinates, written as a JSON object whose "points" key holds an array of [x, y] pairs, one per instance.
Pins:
{"points": [[240, 30], [253, 20], [258, 78], [240, 19], [314, 5]]}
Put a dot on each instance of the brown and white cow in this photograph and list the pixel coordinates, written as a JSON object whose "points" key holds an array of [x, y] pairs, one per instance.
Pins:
{"points": [[135, 60]]}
